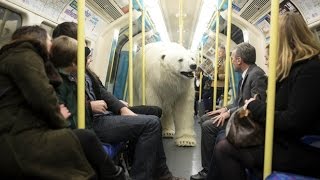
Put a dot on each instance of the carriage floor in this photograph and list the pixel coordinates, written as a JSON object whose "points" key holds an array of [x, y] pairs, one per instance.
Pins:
{"points": [[184, 161]]}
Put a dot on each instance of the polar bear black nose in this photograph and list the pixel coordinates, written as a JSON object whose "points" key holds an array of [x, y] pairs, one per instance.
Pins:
{"points": [[193, 66]]}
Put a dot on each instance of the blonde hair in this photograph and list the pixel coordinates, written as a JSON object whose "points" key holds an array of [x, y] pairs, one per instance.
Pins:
{"points": [[296, 43], [64, 51]]}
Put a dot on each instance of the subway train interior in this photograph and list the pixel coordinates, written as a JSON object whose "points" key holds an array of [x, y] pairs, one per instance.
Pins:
{"points": [[159, 52]]}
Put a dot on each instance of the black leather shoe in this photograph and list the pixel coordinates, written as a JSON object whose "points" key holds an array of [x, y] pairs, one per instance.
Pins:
{"points": [[200, 176]]}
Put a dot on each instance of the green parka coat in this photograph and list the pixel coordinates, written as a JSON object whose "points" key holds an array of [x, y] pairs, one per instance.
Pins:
{"points": [[33, 140]]}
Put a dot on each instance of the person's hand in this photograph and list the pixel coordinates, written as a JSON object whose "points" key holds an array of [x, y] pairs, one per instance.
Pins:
{"points": [[220, 119], [99, 106], [126, 112], [64, 111], [124, 102], [219, 111]]}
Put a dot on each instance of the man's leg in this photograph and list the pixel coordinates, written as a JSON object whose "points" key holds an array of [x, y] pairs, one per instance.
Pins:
{"points": [[147, 110], [142, 129], [209, 133]]}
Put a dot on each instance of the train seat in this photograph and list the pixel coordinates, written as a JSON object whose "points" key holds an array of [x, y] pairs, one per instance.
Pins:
{"points": [[310, 140], [288, 176], [113, 149]]}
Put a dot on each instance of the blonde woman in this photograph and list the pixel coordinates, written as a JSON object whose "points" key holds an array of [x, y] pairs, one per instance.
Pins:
{"points": [[296, 110]]}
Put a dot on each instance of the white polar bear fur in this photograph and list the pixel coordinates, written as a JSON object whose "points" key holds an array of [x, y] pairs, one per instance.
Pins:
{"points": [[168, 89]]}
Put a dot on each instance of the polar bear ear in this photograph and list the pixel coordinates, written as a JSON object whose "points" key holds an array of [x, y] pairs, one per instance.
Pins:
{"points": [[163, 56]]}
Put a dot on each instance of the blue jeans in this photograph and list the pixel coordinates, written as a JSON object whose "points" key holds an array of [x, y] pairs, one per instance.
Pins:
{"points": [[145, 131]]}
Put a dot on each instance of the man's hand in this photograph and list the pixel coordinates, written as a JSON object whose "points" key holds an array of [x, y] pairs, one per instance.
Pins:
{"points": [[219, 111], [220, 119], [99, 106], [126, 112], [64, 111]]}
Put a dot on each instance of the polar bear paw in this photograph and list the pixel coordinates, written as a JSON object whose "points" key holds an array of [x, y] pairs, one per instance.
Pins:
{"points": [[168, 133], [188, 141]]}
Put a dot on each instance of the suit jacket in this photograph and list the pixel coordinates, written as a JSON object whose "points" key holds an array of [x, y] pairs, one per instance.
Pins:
{"points": [[254, 82]]}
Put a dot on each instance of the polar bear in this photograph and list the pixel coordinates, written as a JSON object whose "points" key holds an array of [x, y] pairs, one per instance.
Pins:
{"points": [[169, 85]]}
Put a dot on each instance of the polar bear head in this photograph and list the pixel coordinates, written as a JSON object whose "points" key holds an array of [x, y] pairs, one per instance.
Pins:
{"points": [[176, 59]]}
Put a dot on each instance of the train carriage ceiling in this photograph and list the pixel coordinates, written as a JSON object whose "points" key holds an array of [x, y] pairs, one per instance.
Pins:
{"points": [[248, 9], [256, 12]]}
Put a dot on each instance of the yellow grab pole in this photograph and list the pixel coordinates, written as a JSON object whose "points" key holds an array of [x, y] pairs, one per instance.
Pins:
{"points": [[215, 76], [271, 87], [232, 78], [220, 6], [227, 65], [81, 65], [130, 55], [180, 22], [143, 78]]}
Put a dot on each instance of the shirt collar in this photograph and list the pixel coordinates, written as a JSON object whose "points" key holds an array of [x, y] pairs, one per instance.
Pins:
{"points": [[244, 73]]}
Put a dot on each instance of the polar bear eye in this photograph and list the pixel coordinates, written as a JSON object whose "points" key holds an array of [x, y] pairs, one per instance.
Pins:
{"points": [[192, 59], [180, 60]]}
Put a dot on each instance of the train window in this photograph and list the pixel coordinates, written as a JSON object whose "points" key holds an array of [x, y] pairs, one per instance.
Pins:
{"points": [[9, 22], [47, 27]]}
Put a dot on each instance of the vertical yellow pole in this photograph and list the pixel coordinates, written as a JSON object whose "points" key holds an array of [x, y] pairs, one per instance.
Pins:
{"points": [[130, 55], [81, 65], [227, 64], [143, 57], [215, 76], [232, 78], [180, 22], [271, 87]]}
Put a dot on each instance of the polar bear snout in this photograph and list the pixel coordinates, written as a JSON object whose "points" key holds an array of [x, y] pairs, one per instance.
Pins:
{"points": [[193, 67]]}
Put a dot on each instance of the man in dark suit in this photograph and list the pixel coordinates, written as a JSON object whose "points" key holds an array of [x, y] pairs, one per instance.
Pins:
{"points": [[253, 81]]}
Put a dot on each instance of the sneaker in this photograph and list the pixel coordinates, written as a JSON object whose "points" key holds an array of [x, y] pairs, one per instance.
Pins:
{"points": [[171, 177], [200, 176]]}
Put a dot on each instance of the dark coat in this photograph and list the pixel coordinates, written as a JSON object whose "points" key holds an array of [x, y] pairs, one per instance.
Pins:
{"points": [[296, 115], [33, 140], [67, 93], [254, 82], [297, 103]]}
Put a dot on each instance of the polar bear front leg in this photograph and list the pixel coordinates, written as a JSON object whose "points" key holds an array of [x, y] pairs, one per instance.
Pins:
{"points": [[184, 122], [167, 125]]}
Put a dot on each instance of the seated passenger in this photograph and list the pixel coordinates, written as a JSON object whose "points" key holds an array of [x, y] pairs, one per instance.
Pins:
{"points": [[33, 140], [254, 82], [296, 110], [112, 121]]}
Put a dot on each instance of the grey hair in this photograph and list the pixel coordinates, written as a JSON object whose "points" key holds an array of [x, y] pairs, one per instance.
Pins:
{"points": [[246, 52]]}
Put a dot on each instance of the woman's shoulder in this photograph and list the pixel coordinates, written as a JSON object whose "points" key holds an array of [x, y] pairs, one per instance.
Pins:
{"points": [[310, 66]]}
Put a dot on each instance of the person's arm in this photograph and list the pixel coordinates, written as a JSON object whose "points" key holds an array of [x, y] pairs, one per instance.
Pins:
{"points": [[259, 86], [29, 75], [114, 105]]}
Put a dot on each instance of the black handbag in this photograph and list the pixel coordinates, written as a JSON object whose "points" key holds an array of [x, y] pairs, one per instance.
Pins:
{"points": [[243, 131]]}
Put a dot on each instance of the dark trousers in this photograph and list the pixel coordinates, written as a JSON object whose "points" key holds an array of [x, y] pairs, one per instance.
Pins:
{"points": [[229, 163], [147, 110], [209, 133], [96, 155], [145, 131]]}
